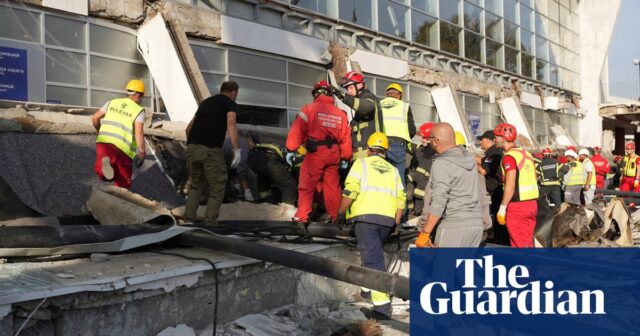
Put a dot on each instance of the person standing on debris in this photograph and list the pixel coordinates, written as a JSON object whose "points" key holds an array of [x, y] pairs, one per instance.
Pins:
{"points": [[519, 206], [574, 177], [420, 175], [455, 205], [120, 142], [548, 177], [268, 162], [368, 112], [373, 200], [590, 173], [398, 126], [630, 180], [489, 167], [215, 117], [602, 167], [324, 131]]}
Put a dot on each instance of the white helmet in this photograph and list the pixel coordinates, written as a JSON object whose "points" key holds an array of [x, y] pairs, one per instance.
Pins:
{"points": [[584, 151], [571, 152]]}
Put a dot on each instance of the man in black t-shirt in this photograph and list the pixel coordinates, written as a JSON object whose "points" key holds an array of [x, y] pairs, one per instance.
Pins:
{"points": [[489, 166], [215, 117]]}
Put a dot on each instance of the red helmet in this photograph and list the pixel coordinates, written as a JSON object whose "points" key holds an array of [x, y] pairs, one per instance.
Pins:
{"points": [[630, 145], [323, 87], [618, 158], [352, 77], [546, 151], [597, 149], [573, 148], [507, 131], [425, 129]]}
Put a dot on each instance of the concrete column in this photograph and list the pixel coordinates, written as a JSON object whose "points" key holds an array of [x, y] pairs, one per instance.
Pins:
{"points": [[619, 147]]}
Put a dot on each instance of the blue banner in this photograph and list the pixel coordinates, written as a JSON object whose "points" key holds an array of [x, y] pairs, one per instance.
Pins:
{"points": [[13, 74], [507, 291]]}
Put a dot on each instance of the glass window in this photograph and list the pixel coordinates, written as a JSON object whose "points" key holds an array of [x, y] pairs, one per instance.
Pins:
{"points": [[299, 96], [511, 10], [64, 33], [494, 6], [510, 34], [427, 6], [209, 59], [66, 67], [494, 54], [270, 17], [114, 42], [526, 18], [260, 92], [213, 82], [114, 74], [565, 38], [472, 46], [449, 11], [565, 17], [542, 25], [541, 7], [553, 75], [472, 104], [319, 6], [511, 60], [420, 96], [493, 28], [554, 10], [305, 75], [472, 17], [260, 115], [526, 41], [527, 65], [381, 87], [555, 54], [449, 38], [20, 24], [542, 48], [554, 32], [358, 12], [423, 114], [392, 18], [424, 29], [257, 66], [66, 95], [240, 9]]}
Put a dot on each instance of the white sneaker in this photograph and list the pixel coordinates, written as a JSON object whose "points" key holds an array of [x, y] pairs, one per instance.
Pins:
{"points": [[107, 170]]}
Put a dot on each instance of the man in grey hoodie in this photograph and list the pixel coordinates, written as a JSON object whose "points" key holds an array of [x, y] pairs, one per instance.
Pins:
{"points": [[455, 203]]}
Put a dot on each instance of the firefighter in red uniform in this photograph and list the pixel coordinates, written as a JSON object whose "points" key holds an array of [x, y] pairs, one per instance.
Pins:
{"points": [[324, 131], [602, 167], [630, 180]]}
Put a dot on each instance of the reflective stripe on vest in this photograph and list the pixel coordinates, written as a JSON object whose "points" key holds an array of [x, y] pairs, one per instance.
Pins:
{"points": [[629, 166], [526, 180], [271, 148], [593, 172], [116, 127], [576, 175], [548, 169], [360, 133], [378, 194], [394, 117]]}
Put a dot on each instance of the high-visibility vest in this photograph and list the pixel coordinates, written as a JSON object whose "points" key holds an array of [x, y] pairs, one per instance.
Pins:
{"points": [[116, 127], [376, 188], [629, 166], [270, 148], [394, 116], [362, 130], [526, 179], [548, 170], [593, 172], [576, 176]]}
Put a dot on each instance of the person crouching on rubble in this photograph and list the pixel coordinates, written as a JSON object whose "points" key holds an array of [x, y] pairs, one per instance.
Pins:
{"points": [[373, 199], [574, 177]]}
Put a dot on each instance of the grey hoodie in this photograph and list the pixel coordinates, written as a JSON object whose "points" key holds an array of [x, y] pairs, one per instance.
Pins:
{"points": [[454, 186]]}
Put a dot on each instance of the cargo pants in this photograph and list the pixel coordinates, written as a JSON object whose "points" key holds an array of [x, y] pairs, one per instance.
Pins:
{"points": [[207, 169]]}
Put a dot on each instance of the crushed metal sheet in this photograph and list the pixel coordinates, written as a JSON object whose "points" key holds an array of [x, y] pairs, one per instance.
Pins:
{"points": [[113, 205]]}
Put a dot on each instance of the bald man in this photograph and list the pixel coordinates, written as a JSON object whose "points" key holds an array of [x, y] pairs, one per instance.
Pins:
{"points": [[455, 198]]}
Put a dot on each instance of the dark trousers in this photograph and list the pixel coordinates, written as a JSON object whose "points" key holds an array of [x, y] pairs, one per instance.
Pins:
{"points": [[553, 193], [370, 239], [274, 171], [500, 233]]}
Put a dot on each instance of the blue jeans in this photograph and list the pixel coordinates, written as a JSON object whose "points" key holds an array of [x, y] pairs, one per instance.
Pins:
{"points": [[397, 155], [370, 239]]}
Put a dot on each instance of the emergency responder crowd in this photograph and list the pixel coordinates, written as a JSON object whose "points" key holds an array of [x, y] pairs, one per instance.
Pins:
{"points": [[362, 168]]}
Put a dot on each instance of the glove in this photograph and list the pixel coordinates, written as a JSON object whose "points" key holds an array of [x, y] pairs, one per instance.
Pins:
{"points": [[423, 239], [341, 220], [502, 215], [290, 157], [237, 156], [139, 160], [248, 196], [337, 92], [635, 183], [344, 164]]}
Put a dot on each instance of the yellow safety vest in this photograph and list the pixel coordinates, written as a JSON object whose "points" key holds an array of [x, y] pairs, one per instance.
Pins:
{"points": [[361, 131], [271, 148], [376, 188], [593, 173], [526, 179], [394, 117], [576, 175], [629, 166], [116, 127]]}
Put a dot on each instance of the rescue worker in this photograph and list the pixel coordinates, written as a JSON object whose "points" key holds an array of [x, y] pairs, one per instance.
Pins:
{"points": [[548, 177], [368, 112], [419, 176], [630, 180], [489, 166], [589, 188], [573, 177], [603, 168], [215, 117], [324, 131], [120, 142], [373, 200], [519, 206], [398, 127], [455, 204], [268, 162]]}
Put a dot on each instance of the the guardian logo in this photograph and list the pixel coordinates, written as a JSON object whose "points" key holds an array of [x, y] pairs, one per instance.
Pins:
{"points": [[504, 289]]}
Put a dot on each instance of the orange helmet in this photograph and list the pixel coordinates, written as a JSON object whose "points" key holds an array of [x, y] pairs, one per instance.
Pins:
{"points": [[507, 131]]}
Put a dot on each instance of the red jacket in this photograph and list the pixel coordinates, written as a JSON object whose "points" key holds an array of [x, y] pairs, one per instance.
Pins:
{"points": [[601, 164], [319, 120]]}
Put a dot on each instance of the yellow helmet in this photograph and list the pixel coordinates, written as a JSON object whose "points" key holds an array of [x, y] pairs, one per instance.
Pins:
{"points": [[135, 85], [301, 150], [395, 86], [460, 139], [378, 140]]}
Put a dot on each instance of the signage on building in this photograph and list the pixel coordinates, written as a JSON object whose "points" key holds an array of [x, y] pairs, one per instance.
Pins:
{"points": [[13, 74]]}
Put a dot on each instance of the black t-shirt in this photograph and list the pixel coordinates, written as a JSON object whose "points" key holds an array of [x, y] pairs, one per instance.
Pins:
{"points": [[491, 163], [210, 124]]}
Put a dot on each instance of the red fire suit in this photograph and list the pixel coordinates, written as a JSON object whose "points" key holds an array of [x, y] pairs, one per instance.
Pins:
{"points": [[602, 167], [320, 122], [629, 167]]}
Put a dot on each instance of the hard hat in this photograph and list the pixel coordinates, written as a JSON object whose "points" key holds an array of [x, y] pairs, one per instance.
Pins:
{"points": [[425, 129], [321, 86], [507, 131], [302, 150], [573, 148], [352, 77], [546, 151], [460, 139], [618, 158], [597, 149], [136, 85], [571, 152], [630, 145], [378, 140], [584, 151], [394, 86]]}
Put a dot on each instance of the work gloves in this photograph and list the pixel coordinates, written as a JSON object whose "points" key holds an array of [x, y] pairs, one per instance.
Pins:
{"points": [[424, 240], [502, 215], [290, 158], [337, 92], [341, 220], [248, 196], [237, 156], [139, 160], [344, 164], [636, 183]]}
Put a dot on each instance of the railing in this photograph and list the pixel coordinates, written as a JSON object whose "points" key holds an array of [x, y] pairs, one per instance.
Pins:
{"points": [[620, 92]]}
